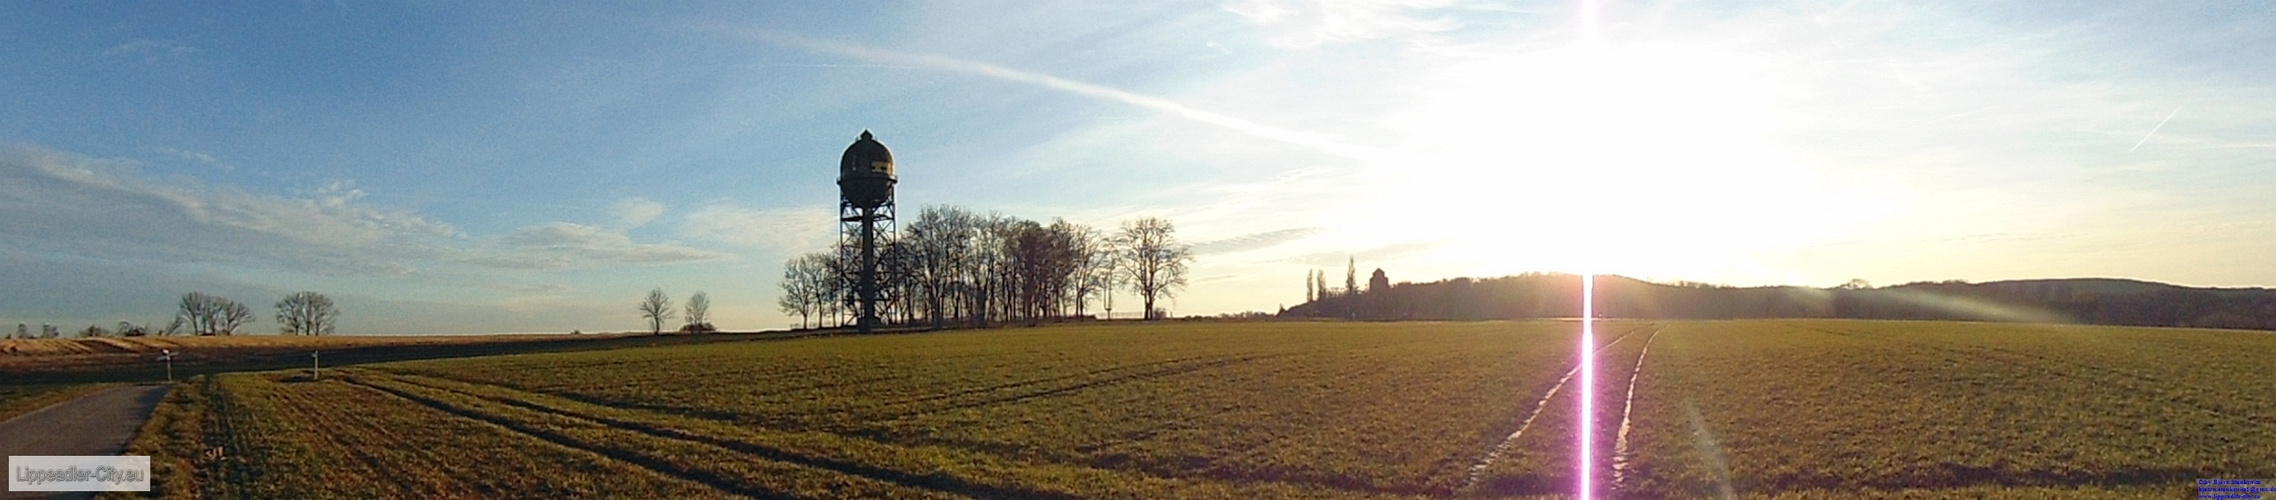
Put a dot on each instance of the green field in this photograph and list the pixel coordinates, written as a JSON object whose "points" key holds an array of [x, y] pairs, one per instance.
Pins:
{"points": [[1759, 409]]}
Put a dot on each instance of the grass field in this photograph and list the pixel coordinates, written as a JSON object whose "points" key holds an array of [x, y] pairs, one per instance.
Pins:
{"points": [[20, 399], [1759, 409]]}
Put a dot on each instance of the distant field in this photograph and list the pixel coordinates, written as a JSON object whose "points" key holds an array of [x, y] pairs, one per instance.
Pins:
{"points": [[1799, 409], [136, 359], [70, 353]]}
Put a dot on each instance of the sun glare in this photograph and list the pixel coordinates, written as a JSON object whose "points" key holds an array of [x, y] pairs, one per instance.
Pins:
{"points": [[1668, 146]]}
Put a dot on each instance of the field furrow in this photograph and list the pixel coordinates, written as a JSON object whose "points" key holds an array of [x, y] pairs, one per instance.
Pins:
{"points": [[740, 471], [292, 438], [937, 470]]}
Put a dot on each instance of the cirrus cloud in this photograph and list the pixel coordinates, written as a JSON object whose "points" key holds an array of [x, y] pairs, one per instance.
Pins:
{"points": [[788, 230], [563, 244], [58, 202]]}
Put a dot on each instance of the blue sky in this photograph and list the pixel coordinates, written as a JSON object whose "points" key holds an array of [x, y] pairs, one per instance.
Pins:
{"points": [[451, 167]]}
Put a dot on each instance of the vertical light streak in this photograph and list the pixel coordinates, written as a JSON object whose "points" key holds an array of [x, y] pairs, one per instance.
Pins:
{"points": [[1588, 381], [1590, 39], [1588, 27]]}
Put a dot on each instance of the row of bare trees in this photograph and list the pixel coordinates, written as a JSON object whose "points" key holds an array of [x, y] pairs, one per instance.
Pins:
{"points": [[198, 313], [303, 313], [657, 308], [951, 265]]}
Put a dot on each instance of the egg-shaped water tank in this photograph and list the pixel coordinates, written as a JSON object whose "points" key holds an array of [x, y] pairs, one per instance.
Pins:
{"points": [[865, 173]]}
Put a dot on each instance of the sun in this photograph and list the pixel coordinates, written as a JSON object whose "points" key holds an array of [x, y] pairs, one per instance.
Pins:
{"points": [[1633, 159]]}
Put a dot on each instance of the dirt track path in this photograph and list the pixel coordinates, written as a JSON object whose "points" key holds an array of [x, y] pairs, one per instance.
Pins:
{"points": [[1478, 468], [95, 424]]}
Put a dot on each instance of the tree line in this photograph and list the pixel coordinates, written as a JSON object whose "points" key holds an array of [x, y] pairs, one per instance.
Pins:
{"points": [[2088, 301], [951, 266], [656, 308], [198, 313]]}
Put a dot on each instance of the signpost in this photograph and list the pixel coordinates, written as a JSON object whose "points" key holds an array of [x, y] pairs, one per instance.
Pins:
{"points": [[167, 355]]}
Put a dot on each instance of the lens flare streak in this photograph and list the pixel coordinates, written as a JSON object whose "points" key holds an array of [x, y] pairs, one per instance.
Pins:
{"points": [[1540, 405], [1588, 381], [1589, 38]]}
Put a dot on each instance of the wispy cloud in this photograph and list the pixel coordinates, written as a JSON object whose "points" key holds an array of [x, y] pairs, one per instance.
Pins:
{"points": [[197, 157], [1377, 254], [52, 201], [1310, 140], [149, 48], [62, 203], [1311, 23], [636, 212], [790, 231], [565, 245], [1254, 241]]}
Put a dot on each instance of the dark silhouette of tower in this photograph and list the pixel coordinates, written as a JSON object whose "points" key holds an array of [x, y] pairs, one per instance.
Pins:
{"points": [[865, 209]]}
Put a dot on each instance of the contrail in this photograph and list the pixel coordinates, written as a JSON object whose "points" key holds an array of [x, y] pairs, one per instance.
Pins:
{"points": [[2153, 130], [1305, 139]]}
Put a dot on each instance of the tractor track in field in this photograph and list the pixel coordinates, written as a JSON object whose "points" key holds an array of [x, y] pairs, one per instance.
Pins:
{"points": [[1170, 370], [707, 478], [937, 483], [1627, 410], [1047, 380], [1478, 468], [2132, 382]]}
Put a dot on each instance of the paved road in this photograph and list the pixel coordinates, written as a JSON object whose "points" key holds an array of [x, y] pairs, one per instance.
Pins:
{"points": [[95, 424]]}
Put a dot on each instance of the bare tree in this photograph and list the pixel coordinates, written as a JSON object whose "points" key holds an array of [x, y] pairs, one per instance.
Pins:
{"points": [[941, 240], [795, 302], [1156, 262], [699, 312], [1070, 253], [231, 316], [657, 308], [802, 289], [203, 314], [1086, 245], [306, 313], [989, 277], [1045, 262]]}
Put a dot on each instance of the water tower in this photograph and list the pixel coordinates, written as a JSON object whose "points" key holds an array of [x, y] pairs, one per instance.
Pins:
{"points": [[865, 209]]}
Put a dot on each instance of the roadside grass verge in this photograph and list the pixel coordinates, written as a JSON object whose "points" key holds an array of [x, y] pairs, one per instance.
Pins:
{"points": [[19, 399]]}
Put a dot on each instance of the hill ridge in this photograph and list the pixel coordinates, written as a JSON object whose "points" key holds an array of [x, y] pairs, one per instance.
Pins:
{"points": [[2099, 301]]}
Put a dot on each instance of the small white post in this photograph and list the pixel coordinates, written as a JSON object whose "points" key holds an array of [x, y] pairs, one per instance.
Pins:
{"points": [[167, 355], [316, 365]]}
